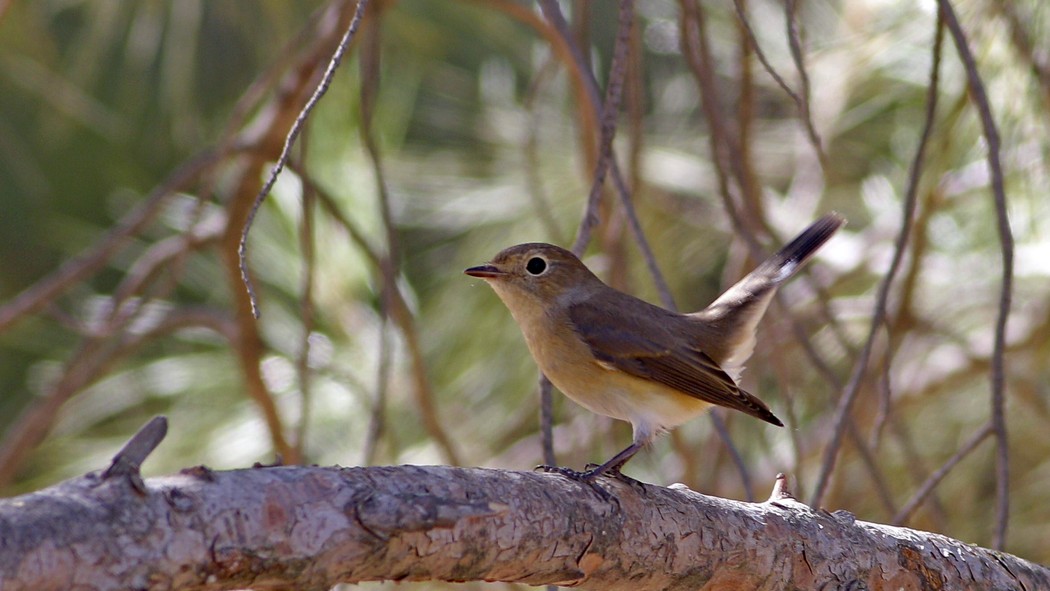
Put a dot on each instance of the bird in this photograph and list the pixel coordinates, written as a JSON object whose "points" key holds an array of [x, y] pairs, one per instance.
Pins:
{"points": [[622, 357]]}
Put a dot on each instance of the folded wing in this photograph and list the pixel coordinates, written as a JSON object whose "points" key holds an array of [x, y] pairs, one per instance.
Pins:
{"points": [[661, 356]]}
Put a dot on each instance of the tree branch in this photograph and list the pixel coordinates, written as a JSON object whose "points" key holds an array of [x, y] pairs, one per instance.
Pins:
{"points": [[274, 527]]}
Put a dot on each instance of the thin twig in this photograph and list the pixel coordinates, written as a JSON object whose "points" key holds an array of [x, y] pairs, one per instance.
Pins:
{"points": [[553, 13], [370, 55], [287, 55], [879, 314], [635, 225], [795, 44], [934, 479], [1006, 243], [912, 458], [867, 457], [387, 265], [377, 418], [94, 353], [160, 257], [697, 53], [35, 420], [533, 178], [357, 236], [610, 110], [885, 390], [734, 454], [547, 421], [307, 312], [745, 117], [741, 12], [801, 103], [297, 127]]}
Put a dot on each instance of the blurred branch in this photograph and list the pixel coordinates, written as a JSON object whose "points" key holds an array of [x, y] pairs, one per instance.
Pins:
{"points": [[860, 368], [307, 311], [1024, 44], [1006, 244], [745, 22], [565, 50], [533, 178], [93, 358], [357, 236], [697, 52], [734, 454], [610, 111], [801, 100], [393, 301], [745, 116], [377, 418], [935, 478], [42, 293], [917, 469], [161, 257], [402, 316], [388, 265], [553, 13], [243, 528], [547, 421], [111, 338]]}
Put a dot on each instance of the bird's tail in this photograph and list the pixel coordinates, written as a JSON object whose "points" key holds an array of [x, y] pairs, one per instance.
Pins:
{"points": [[737, 311], [789, 259]]}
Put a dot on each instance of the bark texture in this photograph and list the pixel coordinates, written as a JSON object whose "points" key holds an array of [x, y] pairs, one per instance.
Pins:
{"points": [[275, 527]]}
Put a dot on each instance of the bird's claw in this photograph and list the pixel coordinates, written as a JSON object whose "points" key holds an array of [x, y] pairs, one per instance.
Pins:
{"points": [[588, 477]]}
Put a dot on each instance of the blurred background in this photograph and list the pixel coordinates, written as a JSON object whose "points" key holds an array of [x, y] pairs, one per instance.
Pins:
{"points": [[134, 137]]}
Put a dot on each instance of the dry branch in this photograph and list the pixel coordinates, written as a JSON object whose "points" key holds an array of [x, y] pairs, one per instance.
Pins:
{"points": [[309, 527]]}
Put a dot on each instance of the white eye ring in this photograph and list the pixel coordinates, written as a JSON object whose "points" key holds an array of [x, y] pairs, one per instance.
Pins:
{"points": [[536, 266]]}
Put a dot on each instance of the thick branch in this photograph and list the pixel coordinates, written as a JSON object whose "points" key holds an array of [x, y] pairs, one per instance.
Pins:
{"points": [[311, 528]]}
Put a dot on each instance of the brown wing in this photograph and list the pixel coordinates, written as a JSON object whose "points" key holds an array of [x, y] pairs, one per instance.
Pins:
{"points": [[660, 355]]}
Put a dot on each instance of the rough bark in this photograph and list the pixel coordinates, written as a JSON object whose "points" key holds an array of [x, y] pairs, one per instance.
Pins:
{"points": [[310, 527]]}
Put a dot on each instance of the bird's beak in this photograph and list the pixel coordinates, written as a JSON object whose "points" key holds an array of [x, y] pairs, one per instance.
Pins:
{"points": [[485, 272]]}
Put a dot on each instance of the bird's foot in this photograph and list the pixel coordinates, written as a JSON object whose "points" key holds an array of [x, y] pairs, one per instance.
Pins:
{"points": [[587, 477]]}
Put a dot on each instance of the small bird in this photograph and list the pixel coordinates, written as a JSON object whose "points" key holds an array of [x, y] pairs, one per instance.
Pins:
{"points": [[622, 357]]}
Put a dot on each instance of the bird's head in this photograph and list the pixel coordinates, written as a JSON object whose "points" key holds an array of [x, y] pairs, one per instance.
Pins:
{"points": [[535, 274]]}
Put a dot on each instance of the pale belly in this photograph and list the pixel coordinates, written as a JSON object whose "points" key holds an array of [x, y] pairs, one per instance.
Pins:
{"points": [[649, 406]]}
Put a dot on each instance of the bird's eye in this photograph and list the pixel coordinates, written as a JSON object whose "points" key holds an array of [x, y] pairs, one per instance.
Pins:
{"points": [[536, 266]]}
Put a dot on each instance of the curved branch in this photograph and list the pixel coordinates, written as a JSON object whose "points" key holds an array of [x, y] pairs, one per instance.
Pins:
{"points": [[1006, 246]]}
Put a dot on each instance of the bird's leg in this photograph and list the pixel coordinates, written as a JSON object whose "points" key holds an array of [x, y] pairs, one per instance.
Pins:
{"points": [[612, 467]]}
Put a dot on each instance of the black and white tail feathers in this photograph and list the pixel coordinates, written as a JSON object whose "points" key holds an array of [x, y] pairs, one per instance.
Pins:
{"points": [[787, 260], [737, 311]]}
